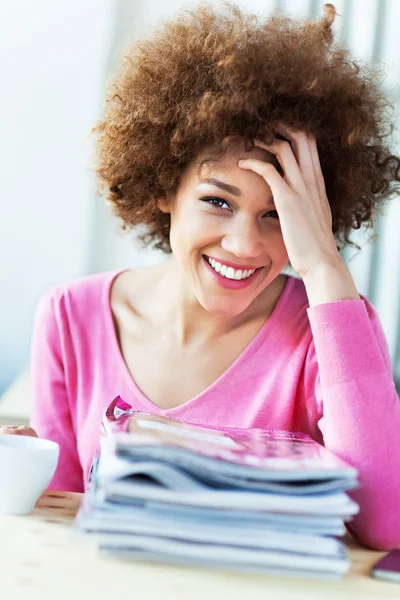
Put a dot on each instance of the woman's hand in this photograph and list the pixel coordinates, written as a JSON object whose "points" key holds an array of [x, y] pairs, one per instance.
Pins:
{"points": [[300, 200], [21, 430]]}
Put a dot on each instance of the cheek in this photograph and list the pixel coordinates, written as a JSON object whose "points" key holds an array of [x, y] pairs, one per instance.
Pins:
{"points": [[191, 229], [278, 250], [274, 238]]}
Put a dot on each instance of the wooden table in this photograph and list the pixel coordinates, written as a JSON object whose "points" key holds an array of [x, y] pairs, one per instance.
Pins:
{"points": [[43, 557]]}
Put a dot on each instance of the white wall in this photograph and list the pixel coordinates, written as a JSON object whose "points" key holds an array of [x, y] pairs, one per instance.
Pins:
{"points": [[52, 57]]}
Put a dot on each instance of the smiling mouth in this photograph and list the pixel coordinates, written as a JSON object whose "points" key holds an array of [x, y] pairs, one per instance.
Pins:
{"points": [[230, 272]]}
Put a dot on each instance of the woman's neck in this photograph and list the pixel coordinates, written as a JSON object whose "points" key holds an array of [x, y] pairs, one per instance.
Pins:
{"points": [[170, 302]]}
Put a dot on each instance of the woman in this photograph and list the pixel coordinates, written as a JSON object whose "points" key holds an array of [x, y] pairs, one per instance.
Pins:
{"points": [[209, 140]]}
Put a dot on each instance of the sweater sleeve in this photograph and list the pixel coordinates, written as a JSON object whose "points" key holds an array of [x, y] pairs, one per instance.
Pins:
{"points": [[50, 410], [360, 412]]}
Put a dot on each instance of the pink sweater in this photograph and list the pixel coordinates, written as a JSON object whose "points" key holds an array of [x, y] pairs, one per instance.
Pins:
{"points": [[324, 371]]}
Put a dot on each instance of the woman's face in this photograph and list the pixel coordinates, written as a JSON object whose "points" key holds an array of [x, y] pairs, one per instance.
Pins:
{"points": [[225, 234]]}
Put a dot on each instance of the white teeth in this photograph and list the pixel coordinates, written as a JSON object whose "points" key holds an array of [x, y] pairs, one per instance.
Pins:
{"points": [[229, 272]]}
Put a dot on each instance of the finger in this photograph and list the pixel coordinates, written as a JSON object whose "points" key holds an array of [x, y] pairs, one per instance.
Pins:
{"points": [[319, 177], [26, 430], [320, 182], [283, 152], [316, 182], [18, 430], [270, 174], [301, 147], [7, 429]]}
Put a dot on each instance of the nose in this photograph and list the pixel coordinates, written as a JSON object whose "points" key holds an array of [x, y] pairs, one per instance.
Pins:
{"points": [[243, 239]]}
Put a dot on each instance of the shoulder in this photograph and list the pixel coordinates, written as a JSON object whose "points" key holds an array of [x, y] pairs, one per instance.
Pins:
{"points": [[134, 288], [81, 298]]}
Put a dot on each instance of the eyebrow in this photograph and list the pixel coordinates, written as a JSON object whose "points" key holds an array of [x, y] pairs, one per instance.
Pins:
{"points": [[231, 189]]}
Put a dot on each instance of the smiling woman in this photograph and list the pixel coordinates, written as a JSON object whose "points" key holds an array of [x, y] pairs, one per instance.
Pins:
{"points": [[238, 154], [235, 228]]}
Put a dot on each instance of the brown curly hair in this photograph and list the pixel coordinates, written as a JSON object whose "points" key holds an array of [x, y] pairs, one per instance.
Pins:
{"points": [[212, 73]]}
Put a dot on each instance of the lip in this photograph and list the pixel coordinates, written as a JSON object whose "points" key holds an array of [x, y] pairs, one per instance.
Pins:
{"points": [[233, 265], [232, 284]]}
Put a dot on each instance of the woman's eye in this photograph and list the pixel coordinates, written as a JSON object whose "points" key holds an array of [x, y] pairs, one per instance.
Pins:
{"points": [[274, 214], [217, 202]]}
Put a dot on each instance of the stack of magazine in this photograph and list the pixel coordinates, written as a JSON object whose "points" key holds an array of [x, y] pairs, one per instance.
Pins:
{"points": [[254, 500]]}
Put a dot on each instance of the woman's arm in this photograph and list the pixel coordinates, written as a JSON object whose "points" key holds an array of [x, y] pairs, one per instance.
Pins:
{"points": [[360, 411], [50, 411]]}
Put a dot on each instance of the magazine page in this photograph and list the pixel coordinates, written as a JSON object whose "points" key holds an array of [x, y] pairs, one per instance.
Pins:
{"points": [[99, 511], [319, 504], [244, 555], [190, 475], [257, 450], [254, 534], [335, 572]]}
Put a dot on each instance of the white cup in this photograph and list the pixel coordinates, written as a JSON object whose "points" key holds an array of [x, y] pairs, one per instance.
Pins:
{"points": [[27, 465]]}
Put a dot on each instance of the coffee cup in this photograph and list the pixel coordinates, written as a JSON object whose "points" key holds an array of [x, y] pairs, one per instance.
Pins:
{"points": [[27, 465]]}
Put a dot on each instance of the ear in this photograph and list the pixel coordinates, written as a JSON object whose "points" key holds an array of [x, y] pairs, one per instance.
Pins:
{"points": [[164, 204]]}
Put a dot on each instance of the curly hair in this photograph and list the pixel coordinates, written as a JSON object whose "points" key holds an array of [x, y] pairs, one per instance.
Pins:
{"points": [[210, 74]]}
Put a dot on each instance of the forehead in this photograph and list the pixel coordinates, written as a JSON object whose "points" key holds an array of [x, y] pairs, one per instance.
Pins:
{"points": [[207, 164]]}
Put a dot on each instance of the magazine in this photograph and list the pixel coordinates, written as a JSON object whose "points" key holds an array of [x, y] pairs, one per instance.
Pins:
{"points": [[248, 456], [161, 480], [246, 499]]}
